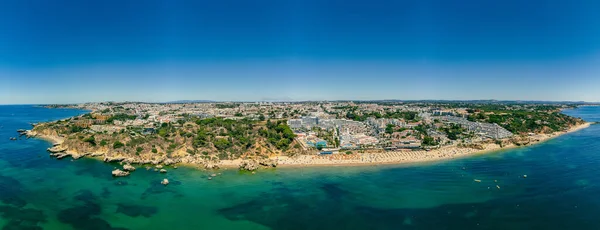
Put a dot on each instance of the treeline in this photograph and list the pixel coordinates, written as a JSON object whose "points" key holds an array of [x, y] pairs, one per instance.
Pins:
{"points": [[278, 134], [120, 117], [521, 121], [406, 115]]}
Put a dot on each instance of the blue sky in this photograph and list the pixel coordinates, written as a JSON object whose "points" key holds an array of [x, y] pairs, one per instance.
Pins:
{"points": [[67, 51]]}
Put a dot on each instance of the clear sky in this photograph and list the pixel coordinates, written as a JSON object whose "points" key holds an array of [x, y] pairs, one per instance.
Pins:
{"points": [[67, 51]]}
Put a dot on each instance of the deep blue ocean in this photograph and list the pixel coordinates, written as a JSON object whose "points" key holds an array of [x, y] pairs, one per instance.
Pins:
{"points": [[561, 190]]}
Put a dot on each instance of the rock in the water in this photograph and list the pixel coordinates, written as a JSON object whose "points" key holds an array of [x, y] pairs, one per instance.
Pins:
{"points": [[159, 166], [250, 165], [165, 181], [163, 171], [128, 167], [210, 178], [119, 173], [213, 175]]}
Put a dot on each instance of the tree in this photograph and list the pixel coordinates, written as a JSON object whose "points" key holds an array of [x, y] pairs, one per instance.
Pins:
{"points": [[261, 117], [90, 140], [428, 141], [222, 143], [389, 129], [117, 145]]}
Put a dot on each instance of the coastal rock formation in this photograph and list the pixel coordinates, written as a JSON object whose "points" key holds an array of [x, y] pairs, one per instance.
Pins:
{"points": [[128, 167], [119, 173], [113, 159], [210, 165], [77, 155], [96, 154], [163, 171], [57, 149], [171, 161], [165, 181], [268, 162], [59, 155], [249, 165]]}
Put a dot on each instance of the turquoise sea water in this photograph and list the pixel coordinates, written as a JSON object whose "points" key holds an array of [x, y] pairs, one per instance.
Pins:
{"points": [[561, 190]]}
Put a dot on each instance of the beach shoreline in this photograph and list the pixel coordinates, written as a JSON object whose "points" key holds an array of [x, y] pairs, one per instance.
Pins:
{"points": [[416, 157], [369, 159]]}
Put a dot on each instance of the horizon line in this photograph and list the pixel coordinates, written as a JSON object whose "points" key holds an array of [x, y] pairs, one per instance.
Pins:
{"points": [[301, 101]]}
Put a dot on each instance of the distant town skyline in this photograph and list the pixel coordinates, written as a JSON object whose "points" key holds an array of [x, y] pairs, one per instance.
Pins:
{"points": [[159, 51]]}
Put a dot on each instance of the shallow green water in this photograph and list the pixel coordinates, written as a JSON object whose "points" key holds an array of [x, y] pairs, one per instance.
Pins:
{"points": [[560, 191]]}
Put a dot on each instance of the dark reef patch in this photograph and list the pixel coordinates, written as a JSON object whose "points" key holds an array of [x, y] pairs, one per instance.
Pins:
{"points": [[283, 211], [11, 191], [19, 218], [105, 193], [333, 191], [156, 188], [136, 210], [84, 216]]}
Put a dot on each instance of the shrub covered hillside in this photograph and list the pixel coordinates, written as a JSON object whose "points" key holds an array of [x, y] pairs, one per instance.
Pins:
{"points": [[538, 120], [210, 138]]}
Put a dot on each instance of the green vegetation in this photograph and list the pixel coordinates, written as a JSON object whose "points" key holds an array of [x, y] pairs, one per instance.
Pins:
{"points": [[227, 106], [75, 129], [120, 117], [389, 129], [278, 134], [90, 140], [406, 115], [539, 120], [428, 141], [117, 145], [453, 131], [222, 143]]}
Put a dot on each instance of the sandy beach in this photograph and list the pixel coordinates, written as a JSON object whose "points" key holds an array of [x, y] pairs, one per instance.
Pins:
{"points": [[406, 157]]}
